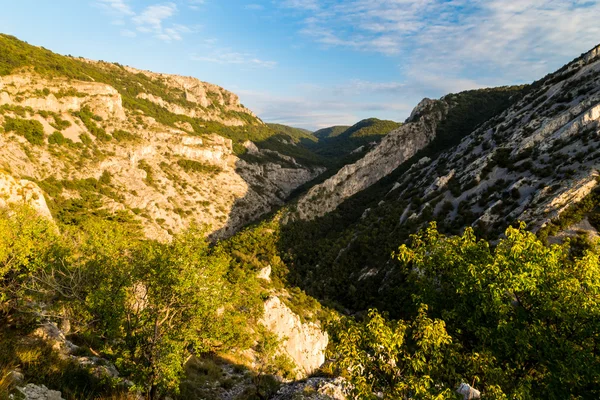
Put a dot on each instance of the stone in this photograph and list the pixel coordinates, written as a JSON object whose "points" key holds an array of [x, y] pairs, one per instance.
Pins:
{"points": [[468, 392], [39, 392], [304, 343]]}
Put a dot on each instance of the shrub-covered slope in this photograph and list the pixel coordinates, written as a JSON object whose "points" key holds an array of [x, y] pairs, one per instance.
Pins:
{"points": [[158, 150], [528, 162]]}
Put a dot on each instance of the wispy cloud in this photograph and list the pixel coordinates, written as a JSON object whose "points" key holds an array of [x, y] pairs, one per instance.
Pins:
{"points": [[119, 7], [150, 20], [226, 56], [451, 37]]}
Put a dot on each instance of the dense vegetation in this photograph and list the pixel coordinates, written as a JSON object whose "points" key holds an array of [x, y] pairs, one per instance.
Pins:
{"points": [[346, 245], [143, 305], [518, 321], [336, 142]]}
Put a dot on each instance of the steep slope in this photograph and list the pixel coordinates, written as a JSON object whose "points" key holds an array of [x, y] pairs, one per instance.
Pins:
{"points": [[153, 149], [529, 162], [430, 120]]}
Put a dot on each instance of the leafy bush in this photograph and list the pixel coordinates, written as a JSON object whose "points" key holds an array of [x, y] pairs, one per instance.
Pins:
{"points": [[32, 130], [124, 136], [57, 138], [196, 166]]}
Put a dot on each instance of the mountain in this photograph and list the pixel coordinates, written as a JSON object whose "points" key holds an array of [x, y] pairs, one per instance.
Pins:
{"points": [[157, 239], [160, 151], [432, 123], [530, 156]]}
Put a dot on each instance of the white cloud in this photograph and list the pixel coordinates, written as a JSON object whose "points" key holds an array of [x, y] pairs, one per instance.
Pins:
{"points": [[151, 20], [511, 39], [153, 16], [254, 7], [119, 7], [226, 56]]}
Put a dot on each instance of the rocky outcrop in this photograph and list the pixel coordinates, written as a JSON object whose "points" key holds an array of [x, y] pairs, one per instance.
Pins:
{"points": [[204, 100], [22, 191], [397, 147], [39, 392], [304, 343], [314, 389], [166, 177]]}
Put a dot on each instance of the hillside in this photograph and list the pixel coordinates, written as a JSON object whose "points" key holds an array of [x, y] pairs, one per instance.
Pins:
{"points": [[158, 240], [340, 141], [154, 150], [530, 162]]}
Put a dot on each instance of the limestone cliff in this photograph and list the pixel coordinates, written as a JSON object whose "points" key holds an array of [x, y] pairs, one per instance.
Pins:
{"points": [[304, 343], [395, 148], [164, 176]]}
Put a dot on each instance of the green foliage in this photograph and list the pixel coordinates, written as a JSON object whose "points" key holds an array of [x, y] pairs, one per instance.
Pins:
{"points": [[26, 241], [57, 138], [124, 136], [337, 142], [297, 134], [32, 130], [196, 166], [529, 310], [145, 306], [331, 131], [89, 119], [394, 359]]}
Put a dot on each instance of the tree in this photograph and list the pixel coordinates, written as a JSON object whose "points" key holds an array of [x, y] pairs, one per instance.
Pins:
{"points": [[394, 359], [26, 242], [526, 315]]}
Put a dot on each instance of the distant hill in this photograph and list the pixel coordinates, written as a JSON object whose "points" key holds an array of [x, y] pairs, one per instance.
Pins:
{"points": [[330, 132], [337, 142]]}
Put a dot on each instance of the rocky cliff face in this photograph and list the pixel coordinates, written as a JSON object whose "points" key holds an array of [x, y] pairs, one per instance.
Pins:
{"points": [[166, 177], [529, 163], [304, 343], [395, 148], [205, 100], [22, 192]]}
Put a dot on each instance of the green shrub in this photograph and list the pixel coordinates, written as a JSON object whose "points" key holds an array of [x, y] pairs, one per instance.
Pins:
{"points": [[56, 138], [124, 136], [32, 130], [196, 166]]}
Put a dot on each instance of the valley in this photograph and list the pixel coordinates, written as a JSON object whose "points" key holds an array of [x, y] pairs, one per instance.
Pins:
{"points": [[159, 240]]}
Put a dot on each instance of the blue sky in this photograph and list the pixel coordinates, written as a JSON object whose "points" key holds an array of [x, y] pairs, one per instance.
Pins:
{"points": [[316, 63]]}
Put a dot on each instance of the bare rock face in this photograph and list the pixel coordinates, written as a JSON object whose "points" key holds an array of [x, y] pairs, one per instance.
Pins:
{"points": [[395, 148], [22, 191], [166, 177], [304, 343], [39, 392], [314, 389]]}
